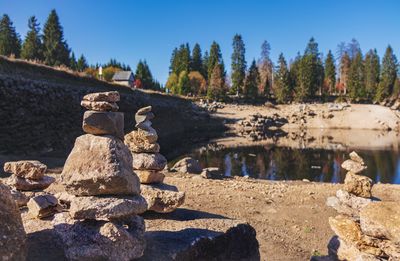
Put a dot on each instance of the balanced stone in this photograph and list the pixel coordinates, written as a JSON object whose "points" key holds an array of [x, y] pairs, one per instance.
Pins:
{"points": [[150, 134], [353, 166], [144, 110], [137, 142], [162, 198], [147, 161], [29, 184], [355, 157], [101, 240], [144, 117], [30, 169], [106, 208], [99, 165], [104, 123], [381, 220], [358, 185], [12, 233], [43, 206], [112, 96], [100, 105], [144, 125], [150, 176]]}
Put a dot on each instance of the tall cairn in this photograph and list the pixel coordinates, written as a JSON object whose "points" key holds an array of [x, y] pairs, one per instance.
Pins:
{"points": [[366, 229], [148, 164], [103, 221]]}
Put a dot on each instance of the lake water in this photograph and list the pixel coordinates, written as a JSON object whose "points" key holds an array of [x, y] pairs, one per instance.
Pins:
{"points": [[302, 160]]}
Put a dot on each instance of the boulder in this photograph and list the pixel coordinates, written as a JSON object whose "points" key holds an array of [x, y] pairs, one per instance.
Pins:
{"points": [[100, 105], [13, 237], [19, 198], [353, 166], [144, 117], [211, 173], [358, 185], [162, 198], [112, 96], [150, 176], [187, 165], [30, 169], [107, 208], [29, 184], [137, 142], [100, 240], [99, 165], [43, 206], [149, 161], [381, 220], [104, 123]]}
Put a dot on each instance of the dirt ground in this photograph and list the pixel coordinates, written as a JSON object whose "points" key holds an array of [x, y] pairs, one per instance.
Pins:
{"points": [[290, 218]]}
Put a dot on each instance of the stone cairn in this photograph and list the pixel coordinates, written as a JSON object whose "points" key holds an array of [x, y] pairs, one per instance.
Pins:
{"points": [[148, 164], [29, 176], [366, 229], [103, 191]]}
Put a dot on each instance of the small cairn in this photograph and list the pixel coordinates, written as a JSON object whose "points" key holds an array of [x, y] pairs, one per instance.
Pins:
{"points": [[103, 221], [148, 164], [366, 229], [29, 175]]}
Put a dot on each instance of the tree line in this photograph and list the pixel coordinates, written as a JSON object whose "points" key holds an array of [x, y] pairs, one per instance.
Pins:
{"points": [[49, 47], [309, 76]]}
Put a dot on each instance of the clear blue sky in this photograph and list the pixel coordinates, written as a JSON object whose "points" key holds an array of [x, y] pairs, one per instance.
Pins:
{"points": [[150, 29]]}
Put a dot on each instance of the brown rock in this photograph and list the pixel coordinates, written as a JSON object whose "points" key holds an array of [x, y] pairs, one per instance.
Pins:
{"points": [[104, 123], [101, 240], [353, 166], [12, 233], [99, 165], [358, 185], [30, 169], [148, 161], [187, 165], [211, 173], [381, 220], [137, 142], [19, 198], [43, 206], [112, 96], [355, 157], [150, 134], [99, 105], [106, 208], [162, 198], [28, 184], [150, 176]]}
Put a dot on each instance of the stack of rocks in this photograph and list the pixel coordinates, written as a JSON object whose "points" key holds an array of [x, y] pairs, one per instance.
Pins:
{"points": [[148, 164], [103, 221], [366, 229]]}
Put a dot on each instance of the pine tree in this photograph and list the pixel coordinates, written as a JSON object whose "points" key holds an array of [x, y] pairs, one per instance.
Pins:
{"points": [[143, 73], [72, 62], [330, 72], [265, 69], [216, 88], [82, 64], [214, 59], [184, 83], [56, 51], [355, 85], [10, 43], [238, 64], [32, 48], [252, 81], [282, 86], [371, 73], [388, 74], [197, 62], [182, 59], [173, 61], [206, 58], [353, 48]]}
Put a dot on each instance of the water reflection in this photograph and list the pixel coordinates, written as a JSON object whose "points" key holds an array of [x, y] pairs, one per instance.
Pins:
{"points": [[280, 163]]}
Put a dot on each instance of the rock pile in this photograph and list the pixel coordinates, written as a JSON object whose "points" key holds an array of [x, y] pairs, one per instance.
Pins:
{"points": [[27, 175], [148, 164], [103, 221], [365, 229]]}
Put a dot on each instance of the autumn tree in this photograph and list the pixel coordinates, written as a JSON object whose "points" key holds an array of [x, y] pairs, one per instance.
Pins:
{"points": [[282, 87], [252, 81], [10, 43], [55, 48], [172, 83], [32, 48], [198, 83], [238, 65], [214, 59], [183, 83], [216, 86], [345, 64], [265, 69]]}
